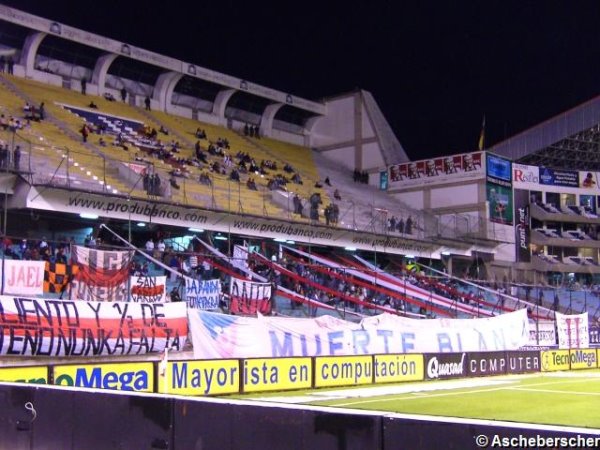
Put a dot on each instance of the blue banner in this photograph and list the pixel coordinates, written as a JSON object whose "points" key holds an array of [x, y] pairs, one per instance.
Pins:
{"points": [[566, 178]]}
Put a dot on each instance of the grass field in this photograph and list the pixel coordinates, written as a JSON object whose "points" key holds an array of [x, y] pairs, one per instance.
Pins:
{"points": [[562, 398]]}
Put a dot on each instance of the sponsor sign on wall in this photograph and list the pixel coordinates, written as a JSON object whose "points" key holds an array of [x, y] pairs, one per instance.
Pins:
{"points": [[277, 374], [500, 203], [584, 358], [487, 363], [442, 366], [130, 376], [34, 374], [333, 371], [498, 168], [436, 171], [169, 214], [397, 368], [594, 332], [208, 377], [522, 226], [554, 360], [525, 177], [523, 361], [554, 177]]}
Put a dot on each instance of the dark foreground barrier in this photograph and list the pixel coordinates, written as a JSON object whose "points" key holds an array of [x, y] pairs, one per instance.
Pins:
{"points": [[44, 417]]}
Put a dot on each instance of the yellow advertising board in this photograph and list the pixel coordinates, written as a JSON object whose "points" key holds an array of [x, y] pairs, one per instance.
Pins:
{"points": [[34, 374], [200, 377], [343, 370], [397, 368], [584, 358], [553, 360], [124, 377], [276, 374]]}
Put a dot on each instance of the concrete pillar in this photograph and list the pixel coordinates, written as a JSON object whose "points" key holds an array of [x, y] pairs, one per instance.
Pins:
{"points": [[101, 69], [30, 48], [221, 103], [266, 120], [164, 87]]}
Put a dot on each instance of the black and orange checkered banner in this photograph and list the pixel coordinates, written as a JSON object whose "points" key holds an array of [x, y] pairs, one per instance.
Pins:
{"points": [[57, 276]]}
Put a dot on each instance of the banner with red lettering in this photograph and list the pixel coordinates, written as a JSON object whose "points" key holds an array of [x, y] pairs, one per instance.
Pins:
{"points": [[23, 277], [52, 327], [249, 297], [148, 289], [102, 275], [572, 330]]}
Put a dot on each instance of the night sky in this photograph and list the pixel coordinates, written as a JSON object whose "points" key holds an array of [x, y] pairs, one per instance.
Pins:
{"points": [[434, 68]]}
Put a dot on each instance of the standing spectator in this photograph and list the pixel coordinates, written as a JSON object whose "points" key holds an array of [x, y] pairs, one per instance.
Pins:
{"points": [[84, 132], [123, 94], [83, 86], [10, 64], [147, 103], [17, 157], [2, 64], [42, 111], [160, 246]]}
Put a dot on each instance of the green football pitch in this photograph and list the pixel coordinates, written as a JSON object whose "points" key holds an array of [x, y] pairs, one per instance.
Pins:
{"points": [[562, 398]]}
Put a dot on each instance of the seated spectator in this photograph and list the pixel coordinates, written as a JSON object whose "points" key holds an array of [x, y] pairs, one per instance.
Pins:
{"points": [[93, 105], [234, 175], [102, 142], [108, 96], [318, 184], [173, 183], [200, 134], [163, 130], [288, 168], [296, 178], [251, 184], [205, 179], [149, 245]]}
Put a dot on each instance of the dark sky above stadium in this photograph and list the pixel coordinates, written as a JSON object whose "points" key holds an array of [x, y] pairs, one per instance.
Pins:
{"points": [[435, 67]]}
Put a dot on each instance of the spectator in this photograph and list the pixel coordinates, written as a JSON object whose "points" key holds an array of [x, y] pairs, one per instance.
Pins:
{"points": [[327, 182], [17, 157], [92, 105], [251, 184], [160, 245], [84, 132], [83, 86], [336, 195], [42, 111], [147, 103], [149, 245], [123, 94]]}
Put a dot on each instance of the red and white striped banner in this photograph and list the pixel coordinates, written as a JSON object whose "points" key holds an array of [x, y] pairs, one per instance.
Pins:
{"points": [[44, 327]]}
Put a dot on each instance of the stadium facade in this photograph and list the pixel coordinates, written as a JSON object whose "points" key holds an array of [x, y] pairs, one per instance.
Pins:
{"points": [[526, 208]]}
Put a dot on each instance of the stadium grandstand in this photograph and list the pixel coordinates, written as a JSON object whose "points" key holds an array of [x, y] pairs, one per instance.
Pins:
{"points": [[131, 176]]}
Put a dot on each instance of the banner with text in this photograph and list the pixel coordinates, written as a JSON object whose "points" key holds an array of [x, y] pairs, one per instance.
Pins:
{"points": [[168, 214], [102, 274], [23, 277], [440, 170], [542, 334], [522, 226], [226, 336], [250, 297], [43, 327], [202, 294], [572, 330], [147, 289]]}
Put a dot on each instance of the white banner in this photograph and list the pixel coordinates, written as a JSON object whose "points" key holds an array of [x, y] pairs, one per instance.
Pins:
{"points": [[542, 334], [50, 327], [526, 177], [147, 289], [202, 294], [225, 336], [165, 214], [573, 330], [240, 257], [23, 277]]}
